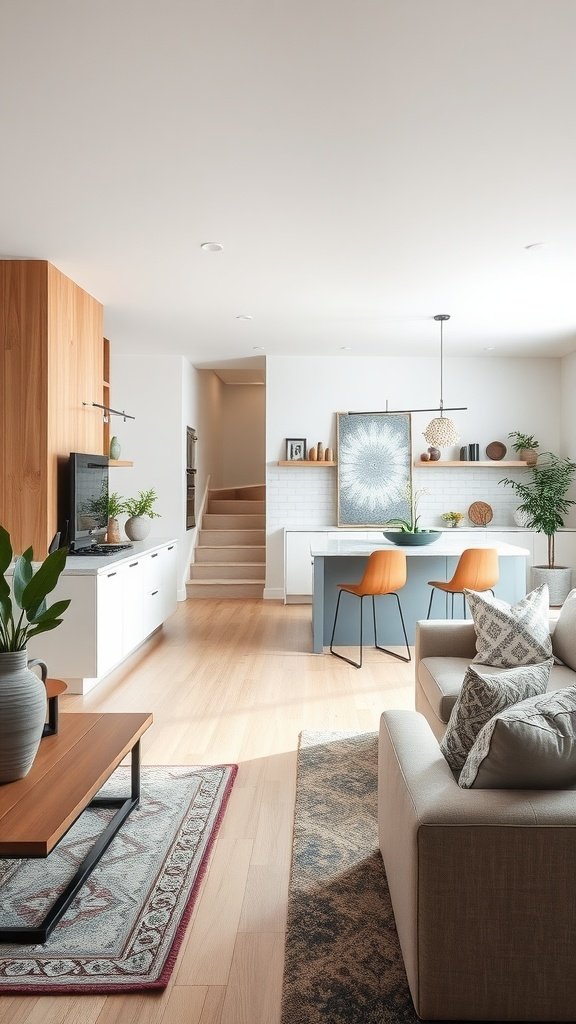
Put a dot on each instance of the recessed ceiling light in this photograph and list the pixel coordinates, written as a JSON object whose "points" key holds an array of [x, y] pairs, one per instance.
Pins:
{"points": [[212, 246], [535, 245], [258, 348], [244, 316], [345, 348], [489, 348]]}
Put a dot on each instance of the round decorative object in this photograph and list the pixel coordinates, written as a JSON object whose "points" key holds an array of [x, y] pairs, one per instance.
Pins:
{"points": [[480, 513], [115, 448], [425, 457], [496, 450], [441, 431], [434, 454], [412, 539], [521, 518], [137, 527], [22, 714]]}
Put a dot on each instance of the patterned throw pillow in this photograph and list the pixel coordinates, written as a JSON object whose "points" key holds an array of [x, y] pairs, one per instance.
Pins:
{"points": [[564, 635], [482, 696], [511, 635], [531, 745]]}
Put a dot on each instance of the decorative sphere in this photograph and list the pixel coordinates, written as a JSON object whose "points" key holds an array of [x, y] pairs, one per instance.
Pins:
{"points": [[425, 457], [434, 454]]}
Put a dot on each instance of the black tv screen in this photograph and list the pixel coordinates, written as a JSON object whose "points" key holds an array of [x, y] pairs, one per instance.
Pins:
{"points": [[88, 499]]}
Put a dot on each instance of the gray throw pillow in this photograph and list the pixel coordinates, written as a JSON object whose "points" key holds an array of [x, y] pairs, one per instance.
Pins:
{"points": [[510, 635], [482, 696], [531, 745], [564, 636]]}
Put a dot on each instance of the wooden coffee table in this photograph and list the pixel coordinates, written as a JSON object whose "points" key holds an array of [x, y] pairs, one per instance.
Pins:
{"points": [[70, 768]]}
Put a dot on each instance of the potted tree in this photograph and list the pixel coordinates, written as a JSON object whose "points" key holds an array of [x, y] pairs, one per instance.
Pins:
{"points": [[544, 502], [526, 446], [23, 615], [141, 512]]}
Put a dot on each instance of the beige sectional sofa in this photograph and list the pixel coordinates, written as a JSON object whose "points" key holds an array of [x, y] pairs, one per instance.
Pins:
{"points": [[444, 649], [482, 881], [482, 885]]}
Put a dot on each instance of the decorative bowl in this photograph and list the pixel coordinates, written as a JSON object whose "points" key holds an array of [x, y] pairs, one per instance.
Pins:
{"points": [[412, 539]]}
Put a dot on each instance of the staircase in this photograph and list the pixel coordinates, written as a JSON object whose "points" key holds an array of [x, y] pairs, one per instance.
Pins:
{"points": [[230, 557]]}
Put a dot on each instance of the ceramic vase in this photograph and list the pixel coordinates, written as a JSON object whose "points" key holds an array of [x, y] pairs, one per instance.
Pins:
{"points": [[115, 448], [22, 714], [137, 527], [528, 455], [113, 532]]}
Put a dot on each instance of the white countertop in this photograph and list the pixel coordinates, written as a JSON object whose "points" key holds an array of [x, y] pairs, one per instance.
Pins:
{"points": [[446, 545], [92, 565], [478, 530]]}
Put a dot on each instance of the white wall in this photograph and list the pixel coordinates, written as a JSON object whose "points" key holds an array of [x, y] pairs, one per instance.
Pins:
{"points": [[303, 395], [243, 435], [163, 393], [568, 419]]}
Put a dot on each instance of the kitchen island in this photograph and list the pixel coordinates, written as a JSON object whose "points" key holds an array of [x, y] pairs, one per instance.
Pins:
{"points": [[343, 561]]}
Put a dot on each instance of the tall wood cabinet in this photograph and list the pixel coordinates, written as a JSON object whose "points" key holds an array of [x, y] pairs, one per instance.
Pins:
{"points": [[51, 361]]}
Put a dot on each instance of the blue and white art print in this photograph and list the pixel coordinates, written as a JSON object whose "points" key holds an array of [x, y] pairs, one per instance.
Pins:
{"points": [[374, 468]]}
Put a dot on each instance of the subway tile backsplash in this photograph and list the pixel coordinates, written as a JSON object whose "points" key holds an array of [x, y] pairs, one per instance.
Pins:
{"points": [[307, 497]]}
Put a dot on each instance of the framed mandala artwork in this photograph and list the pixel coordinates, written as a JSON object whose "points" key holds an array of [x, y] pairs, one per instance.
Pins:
{"points": [[374, 468]]}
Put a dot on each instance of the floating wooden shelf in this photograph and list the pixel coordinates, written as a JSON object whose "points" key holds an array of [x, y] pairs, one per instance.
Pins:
{"points": [[297, 463], [119, 462], [490, 464]]}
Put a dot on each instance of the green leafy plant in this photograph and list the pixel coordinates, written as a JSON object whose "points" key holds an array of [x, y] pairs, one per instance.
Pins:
{"points": [[452, 517], [526, 441], [543, 498], [116, 505], [29, 596], [143, 505], [410, 526]]}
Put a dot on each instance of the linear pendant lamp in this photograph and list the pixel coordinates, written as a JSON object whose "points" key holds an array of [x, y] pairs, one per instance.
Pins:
{"points": [[441, 431]]}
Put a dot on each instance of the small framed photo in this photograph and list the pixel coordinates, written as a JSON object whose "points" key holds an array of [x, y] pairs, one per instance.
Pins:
{"points": [[295, 449]]}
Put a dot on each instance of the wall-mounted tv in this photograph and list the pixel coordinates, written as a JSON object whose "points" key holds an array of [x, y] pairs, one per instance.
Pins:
{"points": [[88, 499]]}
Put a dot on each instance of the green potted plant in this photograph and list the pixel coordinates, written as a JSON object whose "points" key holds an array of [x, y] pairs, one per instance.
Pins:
{"points": [[454, 518], [408, 532], [24, 614], [116, 506], [141, 512], [525, 445], [544, 503]]}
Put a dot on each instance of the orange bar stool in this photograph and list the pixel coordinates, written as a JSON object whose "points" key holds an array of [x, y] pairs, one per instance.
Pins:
{"points": [[477, 569], [385, 573]]}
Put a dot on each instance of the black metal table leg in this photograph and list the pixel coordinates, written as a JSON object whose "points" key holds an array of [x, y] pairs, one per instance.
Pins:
{"points": [[39, 933]]}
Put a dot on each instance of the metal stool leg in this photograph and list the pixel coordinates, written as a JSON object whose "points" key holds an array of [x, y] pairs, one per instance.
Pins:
{"points": [[385, 649], [430, 605], [355, 664]]}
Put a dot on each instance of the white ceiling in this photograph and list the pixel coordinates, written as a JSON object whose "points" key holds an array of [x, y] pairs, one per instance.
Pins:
{"points": [[365, 163]]}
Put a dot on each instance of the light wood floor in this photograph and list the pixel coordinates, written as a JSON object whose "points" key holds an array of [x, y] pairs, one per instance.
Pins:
{"points": [[231, 681]]}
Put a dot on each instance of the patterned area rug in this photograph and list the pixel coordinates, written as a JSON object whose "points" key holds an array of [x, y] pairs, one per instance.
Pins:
{"points": [[343, 961], [123, 930]]}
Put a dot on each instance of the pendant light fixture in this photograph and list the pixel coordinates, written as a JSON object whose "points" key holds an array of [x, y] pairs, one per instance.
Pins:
{"points": [[441, 431]]}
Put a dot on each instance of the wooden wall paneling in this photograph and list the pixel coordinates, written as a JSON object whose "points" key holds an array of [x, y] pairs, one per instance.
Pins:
{"points": [[75, 376], [23, 399]]}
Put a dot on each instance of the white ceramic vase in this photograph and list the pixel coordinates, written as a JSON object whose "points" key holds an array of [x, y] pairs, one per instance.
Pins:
{"points": [[22, 714], [137, 527]]}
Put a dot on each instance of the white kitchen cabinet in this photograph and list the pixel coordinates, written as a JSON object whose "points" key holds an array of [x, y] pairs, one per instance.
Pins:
{"points": [[116, 602], [109, 620], [298, 563]]}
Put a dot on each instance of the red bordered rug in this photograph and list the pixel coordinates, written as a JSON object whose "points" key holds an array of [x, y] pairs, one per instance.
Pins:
{"points": [[124, 928]]}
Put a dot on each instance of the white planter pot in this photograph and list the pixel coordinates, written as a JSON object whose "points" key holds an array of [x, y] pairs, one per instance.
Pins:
{"points": [[22, 715], [559, 582], [138, 527]]}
